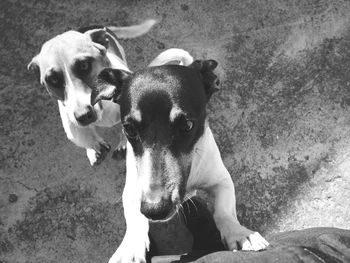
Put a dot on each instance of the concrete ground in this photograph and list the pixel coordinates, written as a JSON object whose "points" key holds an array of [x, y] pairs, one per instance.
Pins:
{"points": [[281, 120]]}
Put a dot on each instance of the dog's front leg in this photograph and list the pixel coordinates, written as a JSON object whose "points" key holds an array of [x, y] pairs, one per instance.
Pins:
{"points": [[136, 241], [212, 176], [234, 235], [85, 137]]}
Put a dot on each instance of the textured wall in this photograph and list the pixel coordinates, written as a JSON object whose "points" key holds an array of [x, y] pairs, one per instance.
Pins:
{"points": [[281, 119]]}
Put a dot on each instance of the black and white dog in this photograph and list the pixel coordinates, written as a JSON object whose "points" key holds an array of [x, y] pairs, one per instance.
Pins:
{"points": [[171, 151]]}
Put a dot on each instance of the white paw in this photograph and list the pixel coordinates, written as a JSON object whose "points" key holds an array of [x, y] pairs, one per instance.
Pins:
{"points": [[236, 236], [253, 242], [130, 252], [97, 154], [126, 257]]}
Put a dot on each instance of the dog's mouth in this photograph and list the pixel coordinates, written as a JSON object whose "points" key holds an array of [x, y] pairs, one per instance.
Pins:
{"points": [[164, 218], [178, 208], [172, 213], [161, 213]]}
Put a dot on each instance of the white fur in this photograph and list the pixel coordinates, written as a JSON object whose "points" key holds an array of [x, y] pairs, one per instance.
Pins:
{"points": [[136, 115], [144, 166], [175, 111], [172, 54]]}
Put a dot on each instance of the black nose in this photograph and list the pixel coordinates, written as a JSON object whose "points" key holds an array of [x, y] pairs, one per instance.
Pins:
{"points": [[85, 116], [158, 211]]}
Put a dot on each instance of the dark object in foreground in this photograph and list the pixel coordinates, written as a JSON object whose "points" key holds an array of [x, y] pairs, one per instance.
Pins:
{"points": [[330, 245]]}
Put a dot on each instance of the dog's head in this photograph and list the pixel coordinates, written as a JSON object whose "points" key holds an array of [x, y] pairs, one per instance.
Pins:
{"points": [[67, 65], [163, 112]]}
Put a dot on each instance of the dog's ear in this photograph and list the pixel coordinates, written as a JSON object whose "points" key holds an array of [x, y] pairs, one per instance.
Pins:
{"points": [[99, 37], [33, 66], [206, 70], [108, 85]]}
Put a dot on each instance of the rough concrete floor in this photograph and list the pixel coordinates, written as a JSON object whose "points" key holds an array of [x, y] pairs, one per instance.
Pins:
{"points": [[281, 120]]}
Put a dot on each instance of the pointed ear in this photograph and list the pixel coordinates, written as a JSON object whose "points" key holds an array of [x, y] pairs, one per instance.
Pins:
{"points": [[33, 66], [99, 36], [109, 85], [206, 70]]}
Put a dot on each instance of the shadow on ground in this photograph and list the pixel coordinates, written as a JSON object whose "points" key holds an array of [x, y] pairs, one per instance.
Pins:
{"points": [[281, 120]]}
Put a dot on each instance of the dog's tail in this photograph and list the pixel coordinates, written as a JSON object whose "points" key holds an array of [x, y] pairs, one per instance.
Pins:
{"points": [[133, 31], [172, 56]]}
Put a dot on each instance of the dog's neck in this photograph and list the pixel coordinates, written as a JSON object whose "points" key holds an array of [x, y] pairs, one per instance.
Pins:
{"points": [[204, 153]]}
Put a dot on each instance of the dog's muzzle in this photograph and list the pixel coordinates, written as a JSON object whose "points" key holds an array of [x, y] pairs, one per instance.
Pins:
{"points": [[157, 211], [85, 116]]}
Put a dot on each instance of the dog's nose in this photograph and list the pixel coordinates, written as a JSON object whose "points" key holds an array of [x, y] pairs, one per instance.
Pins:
{"points": [[157, 211], [85, 116]]}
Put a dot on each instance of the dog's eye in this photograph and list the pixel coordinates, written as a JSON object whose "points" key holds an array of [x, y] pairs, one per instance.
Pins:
{"points": [[84, 65], [187, 126], [130, 131], [53, 79]]}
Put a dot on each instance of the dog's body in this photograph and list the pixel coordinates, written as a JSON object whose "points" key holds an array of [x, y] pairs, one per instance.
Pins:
{"points": [[171, 152], [68, 63]]}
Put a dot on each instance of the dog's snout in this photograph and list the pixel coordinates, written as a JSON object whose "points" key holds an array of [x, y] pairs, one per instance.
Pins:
{"points": [[157, 211], [85, 116]]}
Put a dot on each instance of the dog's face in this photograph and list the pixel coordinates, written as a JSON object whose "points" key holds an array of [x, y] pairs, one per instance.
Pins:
{"points": [[163, 116], [67, 65]]}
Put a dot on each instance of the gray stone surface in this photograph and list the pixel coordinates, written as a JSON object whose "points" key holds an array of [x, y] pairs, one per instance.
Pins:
{"points": [[281, 120]]}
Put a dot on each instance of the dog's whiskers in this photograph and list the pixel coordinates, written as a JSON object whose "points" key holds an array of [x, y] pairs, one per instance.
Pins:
{"points": [[181, 209], [190, 198], [177, 213], [188, 207]]}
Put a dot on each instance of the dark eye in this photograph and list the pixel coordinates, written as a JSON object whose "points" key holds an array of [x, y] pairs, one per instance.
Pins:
{"points": [[84, 65], [130, 131], [54, 79], [187, 126]]}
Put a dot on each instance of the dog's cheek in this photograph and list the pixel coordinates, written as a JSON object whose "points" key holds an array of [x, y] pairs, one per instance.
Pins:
{"points": [[101, 62], [186, 164], [97, 65], [58, 93], [182, 173]]}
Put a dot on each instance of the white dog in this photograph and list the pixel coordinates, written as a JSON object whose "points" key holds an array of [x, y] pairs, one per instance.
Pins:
{"points": [[66, 66]]}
